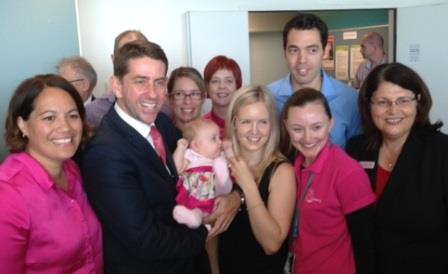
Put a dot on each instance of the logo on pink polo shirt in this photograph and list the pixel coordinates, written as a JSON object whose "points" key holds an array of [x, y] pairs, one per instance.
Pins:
{"points": [[311, 197]]}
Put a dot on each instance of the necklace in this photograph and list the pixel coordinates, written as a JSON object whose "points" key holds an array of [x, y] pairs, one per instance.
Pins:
{"points": [[389, 158]]}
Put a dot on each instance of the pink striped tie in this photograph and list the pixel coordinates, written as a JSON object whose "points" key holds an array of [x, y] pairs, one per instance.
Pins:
{"points": [[158, 143]]}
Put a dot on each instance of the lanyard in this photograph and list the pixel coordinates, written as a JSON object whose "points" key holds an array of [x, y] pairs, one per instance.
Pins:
{"points": [[295, 232]]}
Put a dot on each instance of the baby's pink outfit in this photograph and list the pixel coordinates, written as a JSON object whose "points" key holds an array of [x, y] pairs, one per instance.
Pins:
{"points": [[198, 185]]}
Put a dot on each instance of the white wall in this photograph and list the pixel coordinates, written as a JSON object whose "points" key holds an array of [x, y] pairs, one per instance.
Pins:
{"points": [[266, 68], [232, 40], [34, 36], [165, 23], [426, 28]]}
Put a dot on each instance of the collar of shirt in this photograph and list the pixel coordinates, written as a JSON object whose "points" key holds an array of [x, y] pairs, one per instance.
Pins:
{"points": [[142, 128], [326, 88], [39, 173], [285, 87], [218, 120], [89, 100], [370, 65], [319, 164]]}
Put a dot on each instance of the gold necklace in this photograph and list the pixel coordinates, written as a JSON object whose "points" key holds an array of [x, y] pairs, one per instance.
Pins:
{"points": [[389, 158]]}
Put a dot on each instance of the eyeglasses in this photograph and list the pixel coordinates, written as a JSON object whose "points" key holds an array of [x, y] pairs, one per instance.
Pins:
{"points": [[76, 80], [182, 95], [399, 102]]}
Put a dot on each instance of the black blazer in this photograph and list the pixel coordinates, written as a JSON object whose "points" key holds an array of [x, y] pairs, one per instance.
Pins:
{"points": [[411, 219], [133, 196]]}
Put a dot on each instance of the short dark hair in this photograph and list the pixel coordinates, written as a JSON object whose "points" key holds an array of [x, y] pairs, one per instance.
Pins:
{"points": [[22, 104], [306, 21], [137, 49], [404, 77], [299, 98], [139, 34]]}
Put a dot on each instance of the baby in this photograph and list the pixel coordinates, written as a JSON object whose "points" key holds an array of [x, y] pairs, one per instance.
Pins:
{"points": [[203, 172]]}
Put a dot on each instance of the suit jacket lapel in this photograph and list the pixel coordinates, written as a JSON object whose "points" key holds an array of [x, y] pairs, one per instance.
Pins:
{"points": [[141, 145], [403, 170]]}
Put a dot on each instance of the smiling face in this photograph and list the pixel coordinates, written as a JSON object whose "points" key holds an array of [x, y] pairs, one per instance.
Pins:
{"points": [[394, 122], [141, 92], [54, 127], [309, 129], [304, 54], [253, 127], [187, 108], [221, 87], [207, 141]]}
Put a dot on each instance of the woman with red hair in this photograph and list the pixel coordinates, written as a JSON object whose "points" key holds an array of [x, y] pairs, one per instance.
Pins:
{"points": [[223, 78]]}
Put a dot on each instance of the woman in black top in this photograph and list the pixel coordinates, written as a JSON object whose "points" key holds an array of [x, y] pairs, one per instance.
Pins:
{"points": [[255, 241], [406, 158]]}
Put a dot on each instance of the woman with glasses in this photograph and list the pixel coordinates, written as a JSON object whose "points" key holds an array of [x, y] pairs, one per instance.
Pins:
{"points": [[223, 77], [406, 158], [186, 90]]}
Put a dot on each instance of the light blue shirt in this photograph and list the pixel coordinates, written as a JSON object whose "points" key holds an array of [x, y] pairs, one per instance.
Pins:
{"points": [[343, 101]]}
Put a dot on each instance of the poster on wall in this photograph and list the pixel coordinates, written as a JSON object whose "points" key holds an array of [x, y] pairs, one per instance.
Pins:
{"points": [[328, 59], [341, 71], [355, 60]]}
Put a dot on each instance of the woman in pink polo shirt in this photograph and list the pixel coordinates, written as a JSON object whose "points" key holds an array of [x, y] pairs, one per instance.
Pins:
{"points": [[332, 225], [46, 223], [223, 77]]}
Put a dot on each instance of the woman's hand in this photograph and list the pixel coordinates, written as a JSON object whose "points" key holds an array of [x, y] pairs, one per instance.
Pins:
{"points": [[228, 149], [241, 172]]}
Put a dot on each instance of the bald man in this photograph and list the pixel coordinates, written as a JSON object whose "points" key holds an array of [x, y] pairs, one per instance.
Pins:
{"points": [[98, 108], [372, 50]]}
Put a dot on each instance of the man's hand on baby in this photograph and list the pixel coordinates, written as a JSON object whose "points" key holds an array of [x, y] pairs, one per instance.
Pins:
{"points": [[226, 207]]}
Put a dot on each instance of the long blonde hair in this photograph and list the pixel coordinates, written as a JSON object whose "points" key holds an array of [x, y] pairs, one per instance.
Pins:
{"points": [[247, 96]]}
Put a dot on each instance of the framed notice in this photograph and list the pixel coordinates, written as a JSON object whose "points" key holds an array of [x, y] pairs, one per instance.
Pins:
{"points": [[341, 71], [355, 60]]}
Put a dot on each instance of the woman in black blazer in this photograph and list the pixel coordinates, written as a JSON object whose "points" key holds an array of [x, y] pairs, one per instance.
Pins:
{"points": [[406, 157]]}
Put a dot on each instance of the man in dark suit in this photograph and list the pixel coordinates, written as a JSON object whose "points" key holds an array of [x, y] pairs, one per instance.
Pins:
{"points": [[131, 181]]}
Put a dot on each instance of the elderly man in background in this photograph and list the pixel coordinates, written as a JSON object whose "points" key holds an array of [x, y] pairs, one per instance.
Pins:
{"points": [[81, 74]]}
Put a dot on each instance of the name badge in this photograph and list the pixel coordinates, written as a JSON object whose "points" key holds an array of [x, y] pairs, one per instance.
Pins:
{"points": [[367, 164]]}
